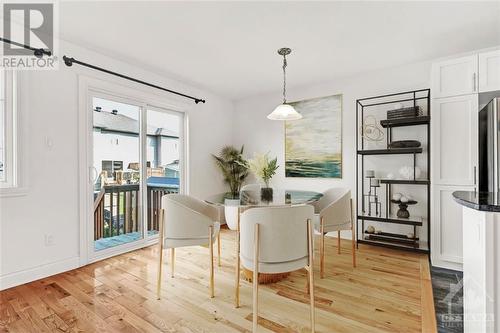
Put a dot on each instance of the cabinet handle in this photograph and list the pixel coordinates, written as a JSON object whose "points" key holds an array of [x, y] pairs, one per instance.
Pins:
{"points": [[474, 81], [475, 178]]}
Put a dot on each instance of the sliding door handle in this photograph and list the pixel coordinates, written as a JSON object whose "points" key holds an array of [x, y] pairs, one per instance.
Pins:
{"points": [[474, 82], [93, 175], [475, 178]]}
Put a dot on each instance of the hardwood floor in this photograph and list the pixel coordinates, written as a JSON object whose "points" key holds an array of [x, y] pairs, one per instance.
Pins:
{"points": [[389, 291]]}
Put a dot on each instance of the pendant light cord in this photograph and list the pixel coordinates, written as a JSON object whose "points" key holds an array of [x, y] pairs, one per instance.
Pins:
{"points": [[284, 78]]}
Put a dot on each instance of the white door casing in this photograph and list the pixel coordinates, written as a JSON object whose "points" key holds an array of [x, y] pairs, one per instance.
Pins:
{"points": [[126, 93]]}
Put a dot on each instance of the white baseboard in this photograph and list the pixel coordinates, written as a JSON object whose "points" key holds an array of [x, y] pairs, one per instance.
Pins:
{"points": [[17, 278], [446, 264]]}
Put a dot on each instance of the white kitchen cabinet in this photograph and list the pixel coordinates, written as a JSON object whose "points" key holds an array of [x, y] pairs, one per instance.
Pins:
{"points": [[446, 227], [481, 260], [489, 71], [454, 140], [454, 77]]}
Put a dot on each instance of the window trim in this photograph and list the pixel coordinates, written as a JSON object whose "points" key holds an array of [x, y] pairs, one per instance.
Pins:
{"points": [[17, 185], [10, 131]]}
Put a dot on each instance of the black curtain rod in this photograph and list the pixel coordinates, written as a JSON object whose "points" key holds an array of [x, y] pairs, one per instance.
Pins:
{"points": [[70, 61], [37, 52]]}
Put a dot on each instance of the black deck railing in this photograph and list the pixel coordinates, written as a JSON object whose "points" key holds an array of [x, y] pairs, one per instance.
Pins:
{"points": [[116, 209]]}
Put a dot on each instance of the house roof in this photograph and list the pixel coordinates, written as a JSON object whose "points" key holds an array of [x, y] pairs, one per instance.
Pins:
{"points": [[106, 121]]}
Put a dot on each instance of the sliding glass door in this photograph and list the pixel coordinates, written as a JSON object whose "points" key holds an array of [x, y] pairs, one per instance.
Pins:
{"points": [[164, 166], [137, 157], [118, 173]]}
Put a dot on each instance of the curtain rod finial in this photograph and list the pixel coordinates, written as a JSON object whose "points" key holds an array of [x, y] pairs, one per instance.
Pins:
{"points": [[68, 61]]}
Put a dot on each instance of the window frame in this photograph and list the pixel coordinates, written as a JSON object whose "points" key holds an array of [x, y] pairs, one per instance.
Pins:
{"points": [[11, 130]]}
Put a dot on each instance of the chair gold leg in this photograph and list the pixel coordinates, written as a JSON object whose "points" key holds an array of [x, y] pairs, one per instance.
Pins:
{"points": [[237, 277], [322, 249], [160, 256], [353, 242], [338, 242], [218, 249], [311, 273], [172, 261], [211, 249], [255, 280]]}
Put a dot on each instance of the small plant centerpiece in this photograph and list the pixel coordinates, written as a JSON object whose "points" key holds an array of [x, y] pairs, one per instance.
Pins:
{"points": [[234, 169], [264, 168]]}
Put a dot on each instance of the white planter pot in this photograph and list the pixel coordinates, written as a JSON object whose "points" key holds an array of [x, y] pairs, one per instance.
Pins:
{"points": [[231, 212]]}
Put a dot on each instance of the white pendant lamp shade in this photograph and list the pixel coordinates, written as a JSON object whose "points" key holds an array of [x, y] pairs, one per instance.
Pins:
{"points": [[284, 112]]}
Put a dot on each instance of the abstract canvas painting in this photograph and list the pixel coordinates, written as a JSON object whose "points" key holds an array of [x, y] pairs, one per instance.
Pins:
{"points": [[313, 144]]}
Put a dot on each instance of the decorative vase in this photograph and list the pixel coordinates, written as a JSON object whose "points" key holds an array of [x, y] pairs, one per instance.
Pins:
{"points": [[403, 208], [403, 211], [266, 194], [231, 207]]}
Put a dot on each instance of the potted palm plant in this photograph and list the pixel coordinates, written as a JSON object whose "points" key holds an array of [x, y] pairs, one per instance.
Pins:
{"points": [[234, 169], [264, 168]]}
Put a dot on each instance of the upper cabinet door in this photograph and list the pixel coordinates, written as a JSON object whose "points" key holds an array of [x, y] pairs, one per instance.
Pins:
{"points": [[455, 77], [454, 134], [489, 71]]}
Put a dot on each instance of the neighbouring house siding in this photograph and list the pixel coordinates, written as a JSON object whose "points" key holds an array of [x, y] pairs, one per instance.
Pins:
{"points": [[123, 147]]}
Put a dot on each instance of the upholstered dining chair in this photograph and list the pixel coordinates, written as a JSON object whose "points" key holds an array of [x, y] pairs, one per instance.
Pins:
{"points": [[277, 240], [333, 212], [187, 221]]}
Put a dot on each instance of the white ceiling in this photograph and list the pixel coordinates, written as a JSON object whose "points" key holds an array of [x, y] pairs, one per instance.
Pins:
{"points": [[230, 47]]}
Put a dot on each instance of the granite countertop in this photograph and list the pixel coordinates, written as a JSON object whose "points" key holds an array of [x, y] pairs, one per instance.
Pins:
{"points": [[483, 201]]}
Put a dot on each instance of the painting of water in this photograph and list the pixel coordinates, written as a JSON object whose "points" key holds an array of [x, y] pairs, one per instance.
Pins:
{"points": [[313, 144]]}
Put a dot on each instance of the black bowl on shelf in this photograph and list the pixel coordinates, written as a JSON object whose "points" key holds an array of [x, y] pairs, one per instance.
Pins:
{"points": [[405, 144]]}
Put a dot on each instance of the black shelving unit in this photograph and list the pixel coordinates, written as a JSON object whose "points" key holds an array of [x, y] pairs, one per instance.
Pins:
{"points": [[387, 239], [392, 151]]}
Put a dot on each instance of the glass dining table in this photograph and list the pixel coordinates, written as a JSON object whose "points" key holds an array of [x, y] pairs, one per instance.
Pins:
{"points": [[280, 198], [252, 199]]}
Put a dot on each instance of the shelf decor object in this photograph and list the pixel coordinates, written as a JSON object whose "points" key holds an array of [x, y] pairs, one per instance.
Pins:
{"points": [[372, 197], [405, 144], [371, 130], [284, 111], [411, 112], [409, 108], [403, 208]]}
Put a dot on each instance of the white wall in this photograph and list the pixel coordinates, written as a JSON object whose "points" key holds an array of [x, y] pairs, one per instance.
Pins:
{"points": [[49, 108], [258, 134]]}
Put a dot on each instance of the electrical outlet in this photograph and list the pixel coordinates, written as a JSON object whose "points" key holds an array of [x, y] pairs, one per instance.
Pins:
{"points": [[49, 240]]}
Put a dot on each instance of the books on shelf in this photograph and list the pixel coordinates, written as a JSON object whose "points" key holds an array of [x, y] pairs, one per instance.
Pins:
{"points": [[409, 112]]}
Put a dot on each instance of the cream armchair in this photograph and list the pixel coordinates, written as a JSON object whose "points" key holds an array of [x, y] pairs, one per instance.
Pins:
{"points": [[186, 221], [334, 212], [277, 240]]}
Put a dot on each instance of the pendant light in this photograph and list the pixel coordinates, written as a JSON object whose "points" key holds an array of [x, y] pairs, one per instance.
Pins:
{"points": [[284, 111]]}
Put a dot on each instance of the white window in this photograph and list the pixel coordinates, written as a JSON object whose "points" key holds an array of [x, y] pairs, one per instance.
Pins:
{"points": [[8, 130]]}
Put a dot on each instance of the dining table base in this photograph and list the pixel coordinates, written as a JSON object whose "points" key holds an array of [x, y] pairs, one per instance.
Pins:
{"points": [[265, 278]]}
